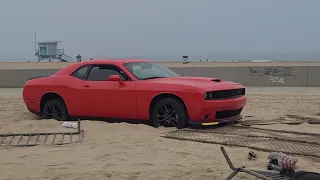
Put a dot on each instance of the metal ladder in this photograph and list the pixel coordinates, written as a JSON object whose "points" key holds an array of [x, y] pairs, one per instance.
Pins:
{"points": [[34, 139]]}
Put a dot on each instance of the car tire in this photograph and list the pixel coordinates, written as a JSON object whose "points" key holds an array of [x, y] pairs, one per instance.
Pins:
{"points": [[59, 113], [180, 110]]}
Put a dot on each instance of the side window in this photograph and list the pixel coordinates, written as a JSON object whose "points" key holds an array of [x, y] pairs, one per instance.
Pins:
{"points": [[81, 73], [103, 72]]}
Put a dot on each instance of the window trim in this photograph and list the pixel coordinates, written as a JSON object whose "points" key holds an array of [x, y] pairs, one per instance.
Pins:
{"points": [[124, 64], [86, 74], [125, 75]]}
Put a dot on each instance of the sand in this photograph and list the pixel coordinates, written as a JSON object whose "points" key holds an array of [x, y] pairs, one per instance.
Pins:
{"points": [[136, 151], [59, 65]]}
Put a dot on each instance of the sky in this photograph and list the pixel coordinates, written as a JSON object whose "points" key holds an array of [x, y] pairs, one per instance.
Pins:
{"points": [[155, 28]]}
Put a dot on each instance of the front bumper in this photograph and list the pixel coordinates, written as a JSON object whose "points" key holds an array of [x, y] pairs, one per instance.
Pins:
{"points": [[222, 121], [214, 112], [33, 105]]}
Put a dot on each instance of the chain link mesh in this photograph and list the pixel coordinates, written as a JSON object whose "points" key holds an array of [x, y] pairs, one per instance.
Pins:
{"points": [[289, 119], [266, 140]]}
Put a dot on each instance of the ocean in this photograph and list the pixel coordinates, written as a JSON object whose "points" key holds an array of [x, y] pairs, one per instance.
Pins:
{"points": [[196, 57]]}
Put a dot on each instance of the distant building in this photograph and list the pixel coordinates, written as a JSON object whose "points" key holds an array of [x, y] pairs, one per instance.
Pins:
{"points": [[261, 61], [185, 59]]}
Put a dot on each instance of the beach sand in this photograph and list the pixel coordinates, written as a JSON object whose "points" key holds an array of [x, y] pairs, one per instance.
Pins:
{"points": [[136, 151]]}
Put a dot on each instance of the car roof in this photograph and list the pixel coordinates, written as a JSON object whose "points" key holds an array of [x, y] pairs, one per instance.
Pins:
{"points": [[112, 61], [117, 62]]}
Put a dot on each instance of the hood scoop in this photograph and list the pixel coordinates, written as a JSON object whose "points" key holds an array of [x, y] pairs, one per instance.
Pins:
{"points": [[216, 80]]}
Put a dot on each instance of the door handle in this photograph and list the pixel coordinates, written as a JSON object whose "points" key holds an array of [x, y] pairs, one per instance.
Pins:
{"points": [[86, 86]]}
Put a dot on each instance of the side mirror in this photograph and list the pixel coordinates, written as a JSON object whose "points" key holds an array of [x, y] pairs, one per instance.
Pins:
{"points": [[115, 78]]}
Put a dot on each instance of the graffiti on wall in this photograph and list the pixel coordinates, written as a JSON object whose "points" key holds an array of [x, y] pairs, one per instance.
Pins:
{"points": [[276, 74], [271, 71], [276, 79]]}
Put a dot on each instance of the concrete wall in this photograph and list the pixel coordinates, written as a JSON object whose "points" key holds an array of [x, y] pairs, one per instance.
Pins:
{"points": [[16, 78], [285, 76], [258, 76]]}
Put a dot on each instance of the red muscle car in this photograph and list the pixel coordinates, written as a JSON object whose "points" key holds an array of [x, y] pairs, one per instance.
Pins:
{"points": [[134, 89]]}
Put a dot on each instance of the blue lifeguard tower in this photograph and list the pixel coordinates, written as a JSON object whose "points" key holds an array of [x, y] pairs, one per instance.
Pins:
{"points": [[48, 50]]}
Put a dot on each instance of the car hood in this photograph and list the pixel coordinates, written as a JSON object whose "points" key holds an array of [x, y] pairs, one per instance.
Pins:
{"points": [[204, 83]]}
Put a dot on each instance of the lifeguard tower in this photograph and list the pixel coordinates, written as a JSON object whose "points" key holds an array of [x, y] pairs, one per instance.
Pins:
{"points": [[49, 50], [185, 59]]}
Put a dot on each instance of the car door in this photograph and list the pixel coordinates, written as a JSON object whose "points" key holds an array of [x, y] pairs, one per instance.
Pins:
{"points": [[110, 99], [77, 92]]}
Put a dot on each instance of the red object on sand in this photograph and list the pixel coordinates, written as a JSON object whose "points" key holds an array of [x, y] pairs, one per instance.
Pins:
{"points": [[134, 89]]}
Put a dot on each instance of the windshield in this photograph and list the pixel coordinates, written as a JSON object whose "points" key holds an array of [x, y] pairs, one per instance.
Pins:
{"points": [[149, 70]]}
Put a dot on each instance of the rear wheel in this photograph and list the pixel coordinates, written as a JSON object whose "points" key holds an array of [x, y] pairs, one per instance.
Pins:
{"points": [[55, 109], [169, 112]]}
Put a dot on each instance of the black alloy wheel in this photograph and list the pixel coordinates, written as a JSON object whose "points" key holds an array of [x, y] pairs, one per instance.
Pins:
{"points": [[55, 109], [169, 112]]}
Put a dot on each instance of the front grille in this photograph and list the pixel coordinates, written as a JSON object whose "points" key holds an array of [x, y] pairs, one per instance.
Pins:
{"points": [[225, 94], [228, 113]]}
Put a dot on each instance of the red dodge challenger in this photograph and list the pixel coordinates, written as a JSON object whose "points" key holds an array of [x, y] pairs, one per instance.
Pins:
{"points": [[134, 89]]}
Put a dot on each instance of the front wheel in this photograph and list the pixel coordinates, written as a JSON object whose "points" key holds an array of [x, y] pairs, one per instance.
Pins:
{"points": [[169, 112], [55, 109]]}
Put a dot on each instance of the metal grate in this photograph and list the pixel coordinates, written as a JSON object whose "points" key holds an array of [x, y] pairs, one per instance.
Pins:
{"points": [[225, 94], [265, 133], [301, 146], [34, 139], [289, 119], [264, 122]]}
